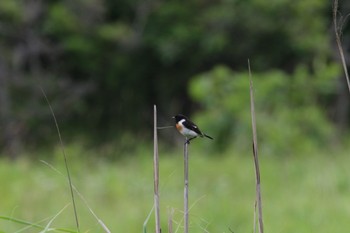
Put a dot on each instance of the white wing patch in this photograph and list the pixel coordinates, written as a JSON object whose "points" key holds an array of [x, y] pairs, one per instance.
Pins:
{"points": [[186, 132]]}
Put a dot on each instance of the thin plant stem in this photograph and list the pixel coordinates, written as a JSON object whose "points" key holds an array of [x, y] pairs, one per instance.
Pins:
{"points": [[255, 154], [156, 173], [186, 186], [65, 160], [337, 30]]}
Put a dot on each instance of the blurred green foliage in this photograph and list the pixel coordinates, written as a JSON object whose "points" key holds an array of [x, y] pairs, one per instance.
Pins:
{"points": [[104, 63], [289, 109]]}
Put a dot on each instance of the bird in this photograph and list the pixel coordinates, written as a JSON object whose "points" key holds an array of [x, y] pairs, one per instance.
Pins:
{"points": [[187, 128]]}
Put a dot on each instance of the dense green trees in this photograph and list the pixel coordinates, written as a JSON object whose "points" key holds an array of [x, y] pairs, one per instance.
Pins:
{"points": [[104, 63]]}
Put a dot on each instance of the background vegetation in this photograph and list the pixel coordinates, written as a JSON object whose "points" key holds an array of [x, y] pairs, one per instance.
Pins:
{"points": [[104, 63]]}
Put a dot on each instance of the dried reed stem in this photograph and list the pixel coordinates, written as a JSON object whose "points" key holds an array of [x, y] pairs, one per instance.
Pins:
{"points": [[156, 172], [186, 186], [255, 154], [337, 29]]}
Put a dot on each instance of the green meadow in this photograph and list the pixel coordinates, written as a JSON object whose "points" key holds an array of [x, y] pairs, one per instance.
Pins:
{"points": [[306, 192]]}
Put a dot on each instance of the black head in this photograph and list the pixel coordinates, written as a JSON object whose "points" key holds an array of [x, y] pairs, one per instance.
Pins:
{"points": [[179, 117]]}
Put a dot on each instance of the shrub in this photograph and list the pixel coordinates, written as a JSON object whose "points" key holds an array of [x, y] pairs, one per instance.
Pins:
{"points": [[290, 113]]}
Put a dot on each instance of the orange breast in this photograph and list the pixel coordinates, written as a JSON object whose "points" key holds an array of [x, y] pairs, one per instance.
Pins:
{"points": [[178, 127]]}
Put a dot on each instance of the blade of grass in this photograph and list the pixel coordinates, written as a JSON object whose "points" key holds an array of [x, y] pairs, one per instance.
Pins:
{"points": [[34, 225], [255, 153], [47, 228], [144, 228], [81, 197], [65, 160], [22, 222]]}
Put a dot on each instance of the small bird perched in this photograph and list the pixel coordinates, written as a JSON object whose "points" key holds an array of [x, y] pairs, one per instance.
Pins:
{"points": [[187, 128]]}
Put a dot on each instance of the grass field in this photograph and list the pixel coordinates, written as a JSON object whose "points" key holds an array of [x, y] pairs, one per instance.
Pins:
{"points": [[301, 193]]}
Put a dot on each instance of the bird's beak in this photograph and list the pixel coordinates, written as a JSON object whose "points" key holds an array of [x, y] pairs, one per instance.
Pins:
{"points": [[173, 117]]}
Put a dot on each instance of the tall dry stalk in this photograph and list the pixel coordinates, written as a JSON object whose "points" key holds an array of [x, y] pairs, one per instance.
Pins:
{"points": [[255, 155], [186, 186], [156, 172], [338, 31]]}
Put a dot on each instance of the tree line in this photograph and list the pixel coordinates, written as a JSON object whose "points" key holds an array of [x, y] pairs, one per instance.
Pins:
{"points": [[104, 63]]}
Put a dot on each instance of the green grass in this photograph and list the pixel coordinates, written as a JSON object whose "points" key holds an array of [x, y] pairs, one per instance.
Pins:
{"points": [[301, 193]]}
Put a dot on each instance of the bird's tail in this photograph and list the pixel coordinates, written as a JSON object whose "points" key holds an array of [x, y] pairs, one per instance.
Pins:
{"points": [[208, 136]]}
